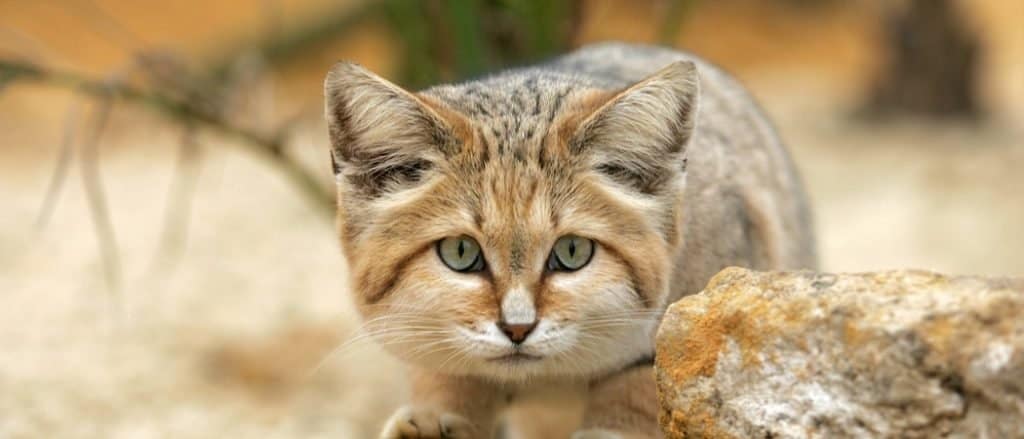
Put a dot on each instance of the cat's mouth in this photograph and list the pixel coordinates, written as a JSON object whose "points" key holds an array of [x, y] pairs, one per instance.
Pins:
{"points": [[515, 358]]}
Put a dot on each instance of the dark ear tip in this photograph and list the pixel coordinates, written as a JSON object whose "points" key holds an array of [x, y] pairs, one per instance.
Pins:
{"points": [[346, 65], [680, 69], [342, 70]]}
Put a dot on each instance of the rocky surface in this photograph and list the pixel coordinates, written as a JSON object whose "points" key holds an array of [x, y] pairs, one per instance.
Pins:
{"points": [[889, 354]]}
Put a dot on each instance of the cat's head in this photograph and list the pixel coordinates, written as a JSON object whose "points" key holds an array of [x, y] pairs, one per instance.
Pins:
{"points": [[511, 230]]}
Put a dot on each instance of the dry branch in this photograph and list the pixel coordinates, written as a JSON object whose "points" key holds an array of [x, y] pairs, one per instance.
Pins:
{"points": [[272, 147], [179, 204], [60, 170], [97, 199]]}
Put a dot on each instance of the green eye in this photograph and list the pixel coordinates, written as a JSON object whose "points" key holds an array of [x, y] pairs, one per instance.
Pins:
{"points": [[461, 254], [570, 253]]}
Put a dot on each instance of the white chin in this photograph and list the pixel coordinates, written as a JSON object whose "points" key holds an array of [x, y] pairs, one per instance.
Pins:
{"points": [[520, 369]]}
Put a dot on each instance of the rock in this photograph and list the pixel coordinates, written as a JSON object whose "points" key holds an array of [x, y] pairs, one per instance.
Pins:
{"points": [[890, 354]]}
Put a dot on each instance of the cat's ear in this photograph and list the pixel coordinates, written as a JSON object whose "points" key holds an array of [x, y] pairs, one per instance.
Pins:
{"points": [[640, 135], [382, 136]]}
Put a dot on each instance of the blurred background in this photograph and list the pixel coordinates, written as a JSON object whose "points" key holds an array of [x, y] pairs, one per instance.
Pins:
{"points": [[168, 263]]}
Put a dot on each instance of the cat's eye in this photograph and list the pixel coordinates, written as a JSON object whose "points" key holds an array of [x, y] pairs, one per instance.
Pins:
{"points": [[461, 253], [570, 253]]}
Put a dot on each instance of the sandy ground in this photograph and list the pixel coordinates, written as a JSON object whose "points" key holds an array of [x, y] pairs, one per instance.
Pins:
{"points": [[236, 339]]}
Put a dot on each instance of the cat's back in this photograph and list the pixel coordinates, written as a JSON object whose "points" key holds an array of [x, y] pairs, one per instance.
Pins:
{"points": [[618, 64], [615, 65], [729, 120]]}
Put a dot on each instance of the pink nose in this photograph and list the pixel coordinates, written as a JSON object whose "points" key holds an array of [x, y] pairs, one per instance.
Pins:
{"points": [[517, 332]]}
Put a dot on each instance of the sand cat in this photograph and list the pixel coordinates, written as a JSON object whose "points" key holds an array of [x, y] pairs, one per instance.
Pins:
{"points": [[528, 229]]}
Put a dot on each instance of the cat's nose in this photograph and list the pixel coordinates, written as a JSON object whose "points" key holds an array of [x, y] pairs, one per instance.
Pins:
{"points": [[517, 332]]}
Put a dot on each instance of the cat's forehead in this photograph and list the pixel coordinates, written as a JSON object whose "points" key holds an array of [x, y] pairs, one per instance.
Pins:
{"points": [[518, 176], [513, 108], [511, 196]]}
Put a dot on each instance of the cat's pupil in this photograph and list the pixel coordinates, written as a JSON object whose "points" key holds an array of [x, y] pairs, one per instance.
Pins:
{"points": [[572, 248], [462, 248]]}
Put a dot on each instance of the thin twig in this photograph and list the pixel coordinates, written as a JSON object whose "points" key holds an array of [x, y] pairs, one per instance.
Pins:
{"points": [[271, 148], [168, 72], [98, 209], [174, 237], [60, 170]]}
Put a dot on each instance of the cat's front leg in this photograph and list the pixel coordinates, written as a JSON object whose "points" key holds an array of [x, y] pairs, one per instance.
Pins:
{"points": [[445, 407], [606, 434], [622, 406]]}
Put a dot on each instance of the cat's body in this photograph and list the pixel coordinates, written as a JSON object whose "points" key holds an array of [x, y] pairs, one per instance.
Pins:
{"points": [[671, 177]]}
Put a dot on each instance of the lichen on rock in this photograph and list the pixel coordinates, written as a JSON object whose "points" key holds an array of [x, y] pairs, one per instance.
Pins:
{"points": [[888, 354]]}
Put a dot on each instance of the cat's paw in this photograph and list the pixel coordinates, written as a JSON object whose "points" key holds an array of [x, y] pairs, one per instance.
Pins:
{"points": [[412, 422], [597, 434]]}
